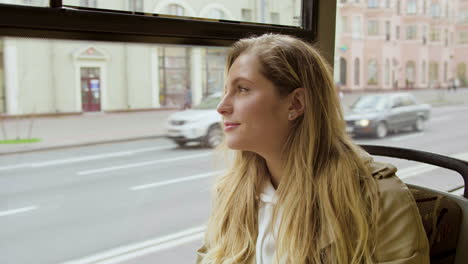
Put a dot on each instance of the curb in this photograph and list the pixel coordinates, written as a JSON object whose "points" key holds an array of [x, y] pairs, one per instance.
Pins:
{"points": [[80, 145]]}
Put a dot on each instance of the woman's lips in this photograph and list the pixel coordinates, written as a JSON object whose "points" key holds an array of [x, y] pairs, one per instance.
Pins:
{"points": [[230, 126]]}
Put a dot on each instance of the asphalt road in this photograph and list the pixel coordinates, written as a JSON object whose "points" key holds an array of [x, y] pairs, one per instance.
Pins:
{"points": [[147, 201]]}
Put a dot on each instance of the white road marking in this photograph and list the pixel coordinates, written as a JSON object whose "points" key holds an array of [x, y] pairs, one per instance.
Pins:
{"points": [[18, 211], [163, 183], [81, 159], [407, 137], [438, 119], [422, 168], [132, 251], [141, 164]]}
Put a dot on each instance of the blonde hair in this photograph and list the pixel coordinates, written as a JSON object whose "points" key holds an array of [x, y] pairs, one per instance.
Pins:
{"points": [[327, 190]]}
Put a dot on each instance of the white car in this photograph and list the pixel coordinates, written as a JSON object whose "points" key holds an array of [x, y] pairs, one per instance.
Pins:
{"points": [[201, 124]]}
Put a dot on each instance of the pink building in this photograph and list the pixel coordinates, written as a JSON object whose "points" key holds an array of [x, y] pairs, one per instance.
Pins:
{"points": [[399, 44]]}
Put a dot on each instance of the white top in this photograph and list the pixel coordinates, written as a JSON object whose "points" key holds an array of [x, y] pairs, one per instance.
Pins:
{"points": [[265, 247]]}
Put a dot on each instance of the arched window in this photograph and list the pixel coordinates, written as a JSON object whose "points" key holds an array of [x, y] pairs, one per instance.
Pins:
{"points": [[372, 72], [342, 71], [216, 13], [411, 71], [357, 71], [387, 71], [175, 10]]}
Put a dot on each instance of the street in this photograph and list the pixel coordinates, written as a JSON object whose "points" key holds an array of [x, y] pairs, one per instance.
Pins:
{"points": [[147, 201]]}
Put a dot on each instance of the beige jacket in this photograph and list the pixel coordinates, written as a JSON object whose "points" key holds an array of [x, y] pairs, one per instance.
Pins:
{"points": [[401, 238]]}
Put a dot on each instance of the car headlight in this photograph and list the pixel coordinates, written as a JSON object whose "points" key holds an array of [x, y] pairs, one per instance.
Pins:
{"points": [[362, 122]]}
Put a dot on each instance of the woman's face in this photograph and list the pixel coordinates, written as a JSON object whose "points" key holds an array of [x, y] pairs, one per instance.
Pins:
{"points": [[255, 116]]}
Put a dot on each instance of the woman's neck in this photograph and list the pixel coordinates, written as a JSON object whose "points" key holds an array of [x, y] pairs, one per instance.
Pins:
{"points": [[275, 168]]}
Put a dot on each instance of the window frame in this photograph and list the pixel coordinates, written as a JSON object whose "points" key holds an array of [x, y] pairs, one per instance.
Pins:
{"points": [[82, 23]]}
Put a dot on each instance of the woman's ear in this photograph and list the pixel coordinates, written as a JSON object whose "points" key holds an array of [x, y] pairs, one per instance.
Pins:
{"points": [[296, 102]]}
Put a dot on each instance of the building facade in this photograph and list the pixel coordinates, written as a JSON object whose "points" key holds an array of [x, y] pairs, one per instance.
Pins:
{"points": [[395, 44]]}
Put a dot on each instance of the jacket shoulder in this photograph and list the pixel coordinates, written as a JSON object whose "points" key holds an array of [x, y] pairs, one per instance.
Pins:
{"points": [[400, 233]]}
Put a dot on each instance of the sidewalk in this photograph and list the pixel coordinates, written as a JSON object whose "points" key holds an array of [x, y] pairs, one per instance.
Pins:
{"points": [[86, 129], [97, 128]]}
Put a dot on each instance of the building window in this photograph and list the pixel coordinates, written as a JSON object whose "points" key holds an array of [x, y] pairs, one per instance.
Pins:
{"points": [[463, 16], [387, 30], [214, 69], [435, 10], [135, 5], [387, 3], [372, 71], [275, 18], [372, 3], [397, 33], [411, 32], [174, 63], [411, 7], [356, 27], [463, 37], [423, 72], [175, 10], [398, 7], [344, 24], [461, 72], [88, 3], [357, 71], [247, 15], [433, 72], [445, 71], [410, 72], [216, 13], [424, 37], [343, 69], [434, 35], [387, 71], [373, 28]]}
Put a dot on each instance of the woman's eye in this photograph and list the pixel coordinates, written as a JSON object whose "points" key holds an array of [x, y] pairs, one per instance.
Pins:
{"points": [[243, 89]]}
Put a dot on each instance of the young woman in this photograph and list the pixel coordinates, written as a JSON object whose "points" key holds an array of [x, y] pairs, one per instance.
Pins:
{"points": [[299, 190]]}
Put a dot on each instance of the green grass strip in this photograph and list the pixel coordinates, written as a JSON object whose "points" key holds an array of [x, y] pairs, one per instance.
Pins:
{"points": [[20, 141]]}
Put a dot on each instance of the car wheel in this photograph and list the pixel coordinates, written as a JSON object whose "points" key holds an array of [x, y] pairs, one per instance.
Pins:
{"points": [[180, 143], [419, 125], [214, 136], [381, 130]]}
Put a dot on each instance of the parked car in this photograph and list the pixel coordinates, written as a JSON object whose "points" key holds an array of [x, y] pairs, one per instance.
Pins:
{"points": [[201, 124], [379, 114]]}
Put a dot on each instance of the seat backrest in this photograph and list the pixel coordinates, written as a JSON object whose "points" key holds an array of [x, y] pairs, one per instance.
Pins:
{"points": [[441, 217]]}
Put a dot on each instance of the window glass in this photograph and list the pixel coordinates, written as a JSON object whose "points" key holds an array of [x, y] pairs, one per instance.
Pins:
{"points": [[133, 193], [411, 7], [424, 55], [26, 2], [373, 27], [265, 11]]}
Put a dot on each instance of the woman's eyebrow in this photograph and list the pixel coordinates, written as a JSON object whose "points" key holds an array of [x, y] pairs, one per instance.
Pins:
{"points": [[237, 79]]}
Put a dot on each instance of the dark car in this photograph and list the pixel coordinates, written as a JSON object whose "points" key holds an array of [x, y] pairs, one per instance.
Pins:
{"points": [[378, 114]]}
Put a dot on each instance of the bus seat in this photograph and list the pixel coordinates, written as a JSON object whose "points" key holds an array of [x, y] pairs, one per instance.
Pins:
{"points": [[441, 218], [444, 215]]}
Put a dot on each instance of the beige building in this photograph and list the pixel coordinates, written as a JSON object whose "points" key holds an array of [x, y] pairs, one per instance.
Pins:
{"points": [[395, 44], [50, 76]]}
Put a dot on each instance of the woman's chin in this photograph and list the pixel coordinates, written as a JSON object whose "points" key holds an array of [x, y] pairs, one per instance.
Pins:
{"points": [[234, 144]]}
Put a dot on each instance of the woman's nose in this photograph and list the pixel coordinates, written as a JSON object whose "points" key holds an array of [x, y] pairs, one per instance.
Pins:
{"points": [[224, 107]]}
